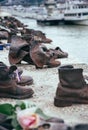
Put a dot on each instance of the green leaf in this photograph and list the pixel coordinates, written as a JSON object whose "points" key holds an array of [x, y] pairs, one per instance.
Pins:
{"points": [[10, 117], [21, 105], [15, 123], [18, 128], [42, 114], [7, 109]]}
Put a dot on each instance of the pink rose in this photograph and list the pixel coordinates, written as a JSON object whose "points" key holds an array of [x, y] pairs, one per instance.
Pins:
{"points": [[27, 119]]}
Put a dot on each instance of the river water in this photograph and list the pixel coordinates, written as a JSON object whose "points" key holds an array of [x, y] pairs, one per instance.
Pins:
{"points": [[70, 38]]}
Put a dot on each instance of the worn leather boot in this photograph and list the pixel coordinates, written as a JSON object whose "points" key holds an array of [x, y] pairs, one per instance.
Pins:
{"points": [[72, 87], [17, 74], [9, 87], [39, 54]]}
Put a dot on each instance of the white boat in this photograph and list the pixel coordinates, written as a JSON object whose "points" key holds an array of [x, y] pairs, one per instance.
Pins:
{"points": [[76, 12], [70, 12], [53, 15]]}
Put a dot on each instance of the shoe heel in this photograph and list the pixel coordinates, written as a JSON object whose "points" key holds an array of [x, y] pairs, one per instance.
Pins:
{"points": [[60, 102]]}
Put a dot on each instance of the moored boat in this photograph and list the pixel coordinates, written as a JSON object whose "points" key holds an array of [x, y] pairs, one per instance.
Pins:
{"points": [[53, 16], [69, 12], [76, 12]]}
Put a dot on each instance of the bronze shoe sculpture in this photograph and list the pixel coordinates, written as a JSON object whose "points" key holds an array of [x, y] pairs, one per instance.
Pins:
{"points": [[4, 35], [18, 50], [37, 34], [17, 75], [34, 53], [72, 88], [53, 62], [9, 87], [53, 124], [41, 56], [58, 53]]}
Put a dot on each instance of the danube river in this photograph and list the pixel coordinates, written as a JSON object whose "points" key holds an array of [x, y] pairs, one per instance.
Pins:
{"points": [[70, 38]]}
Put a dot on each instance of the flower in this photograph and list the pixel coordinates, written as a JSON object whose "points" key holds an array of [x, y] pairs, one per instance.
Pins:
{"points": [[28, 118]]}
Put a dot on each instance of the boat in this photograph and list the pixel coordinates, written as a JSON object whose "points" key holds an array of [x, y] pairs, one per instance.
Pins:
{"points": [[76, 12], [69, 12], [53, 15]]}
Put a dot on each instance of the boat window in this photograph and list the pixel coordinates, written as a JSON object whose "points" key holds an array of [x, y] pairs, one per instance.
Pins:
{"points": [[79, 7], [85, 13], [79, 14], [70, 15], [74, 7]]}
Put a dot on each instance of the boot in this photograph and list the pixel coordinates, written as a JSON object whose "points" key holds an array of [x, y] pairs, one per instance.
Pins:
{"points": [[81, 127], [72, 87], [9, 87], [53, 124], [39, 54], [17, 74]]}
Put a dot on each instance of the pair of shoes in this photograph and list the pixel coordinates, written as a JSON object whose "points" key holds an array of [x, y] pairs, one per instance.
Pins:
{"points": [[20, 50], [34, 53], [72, 88], [11, 83]]}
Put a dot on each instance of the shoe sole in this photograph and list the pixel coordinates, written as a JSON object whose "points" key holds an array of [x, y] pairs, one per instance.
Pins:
{"points": [[67, 101], [5, 95]]}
